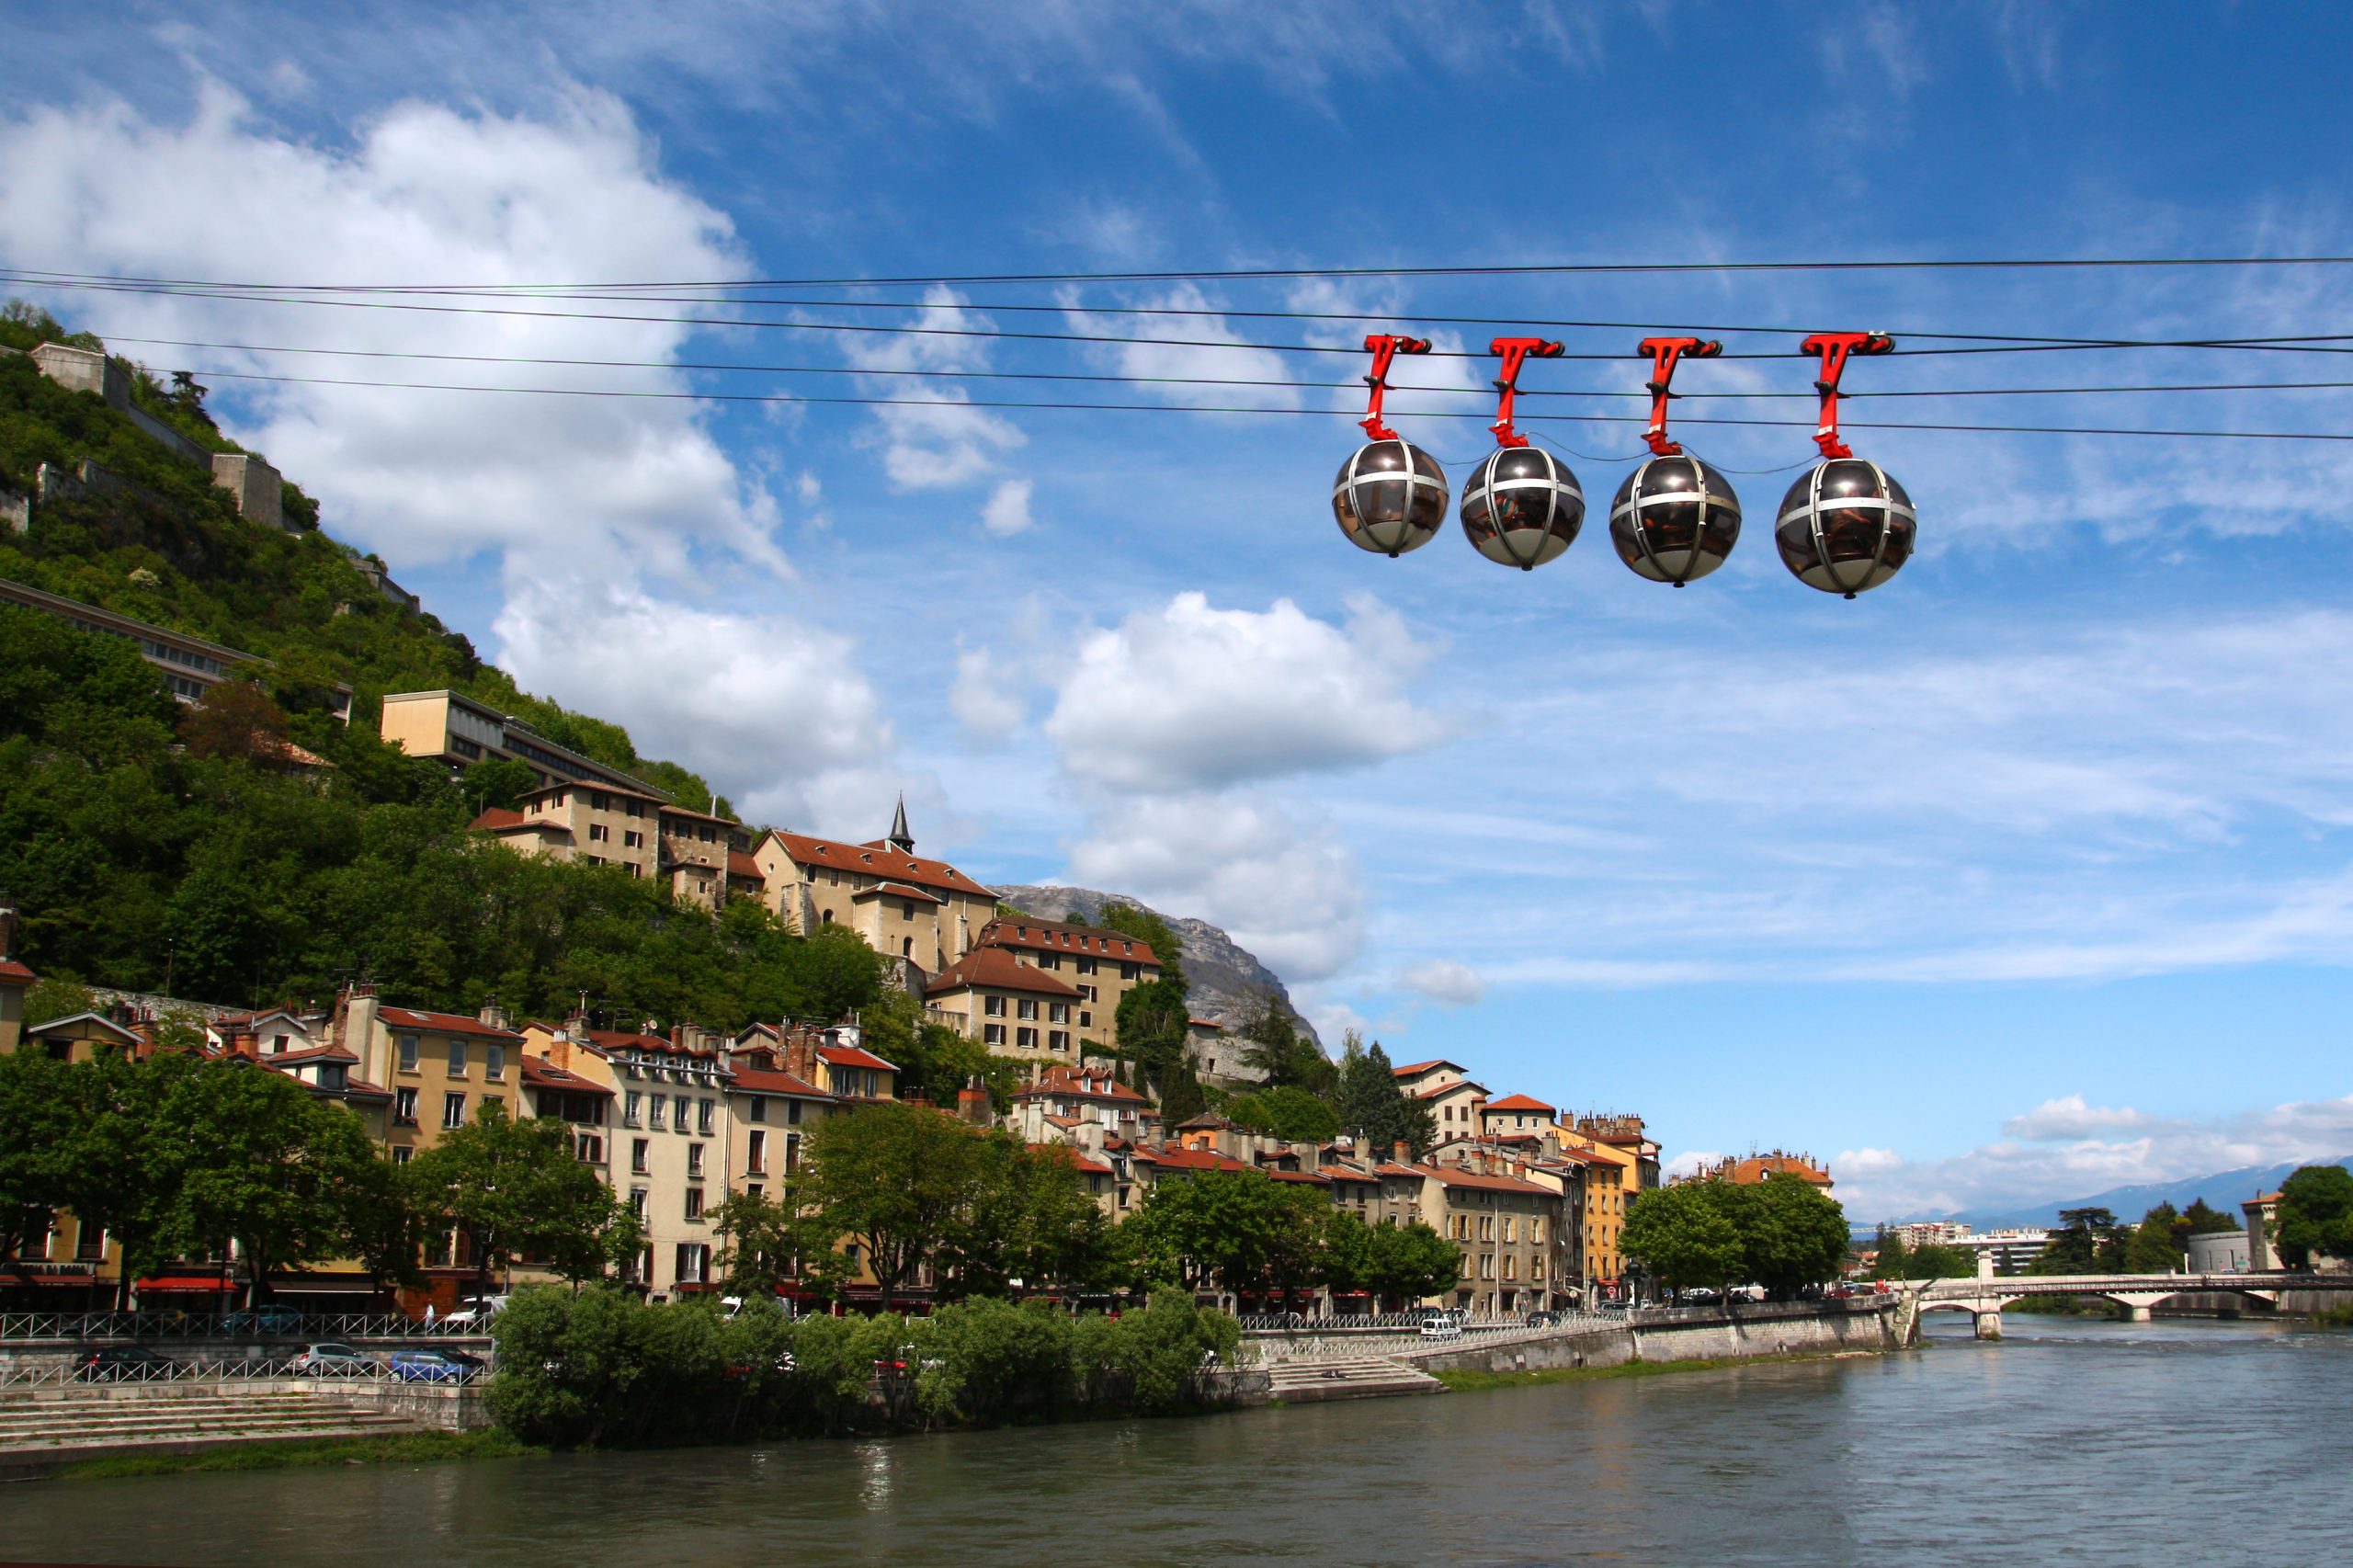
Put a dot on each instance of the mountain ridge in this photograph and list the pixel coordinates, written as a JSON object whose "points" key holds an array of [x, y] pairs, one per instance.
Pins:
{"points": [[2223, 1189], [1225, 976]]}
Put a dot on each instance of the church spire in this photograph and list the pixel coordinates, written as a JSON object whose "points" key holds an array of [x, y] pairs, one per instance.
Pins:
{"points": [[900, 839]]}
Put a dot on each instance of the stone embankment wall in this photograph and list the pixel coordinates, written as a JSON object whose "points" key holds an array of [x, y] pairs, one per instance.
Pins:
{"points": [[1708, 1334]]}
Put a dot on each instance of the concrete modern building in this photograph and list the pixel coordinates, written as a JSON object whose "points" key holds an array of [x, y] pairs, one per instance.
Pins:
{"points": [[459, 731], [191, 665]]}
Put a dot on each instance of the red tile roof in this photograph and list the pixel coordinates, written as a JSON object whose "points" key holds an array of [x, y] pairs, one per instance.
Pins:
{"points": [[853, 1056], [308, 1053], [539, 1073], [1196, 1160], [496, 818], [1061, 937], [443, 1023], [1517, 1102], [1487, 1183], [1315, 1178], [12, 970], [1415, 1069], [764, 1080], [740, 864], [877, 860], [896, 889], [997, 968], [1447, 1088], [1081, 1085]]}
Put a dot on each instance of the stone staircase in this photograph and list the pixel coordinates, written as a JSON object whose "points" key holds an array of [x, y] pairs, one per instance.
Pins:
{"points": [[46, 1428], [1309, 1379]]}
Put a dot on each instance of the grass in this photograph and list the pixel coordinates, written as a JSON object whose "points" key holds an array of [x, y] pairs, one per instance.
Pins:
{"points": [[406, 1448], [1471, 1381]]}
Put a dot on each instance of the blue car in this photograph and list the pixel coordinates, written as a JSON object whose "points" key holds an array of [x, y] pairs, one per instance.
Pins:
{"points": [[434, 1365]]}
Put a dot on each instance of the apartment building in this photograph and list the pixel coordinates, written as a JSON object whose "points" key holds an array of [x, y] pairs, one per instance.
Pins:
{"points": [[1103, 966], [1507, 1230], [1015, 1009], [190, 665], [704, 856], [1062, 1099], [925, 913], [602, 824], [1454, 1100], [456, 730]]}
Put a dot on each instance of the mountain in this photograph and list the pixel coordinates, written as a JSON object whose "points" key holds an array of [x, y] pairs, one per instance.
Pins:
{"points": [[2223, 1189], [1225, 976]]}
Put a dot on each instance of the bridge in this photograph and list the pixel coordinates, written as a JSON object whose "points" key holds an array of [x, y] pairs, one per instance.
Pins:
{"points": [[1983, 1299]]}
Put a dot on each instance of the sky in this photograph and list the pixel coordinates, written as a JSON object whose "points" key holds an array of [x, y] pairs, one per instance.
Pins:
{"points": [[2028, 874]]}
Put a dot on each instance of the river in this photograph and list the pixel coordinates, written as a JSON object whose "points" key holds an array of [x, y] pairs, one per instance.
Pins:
{"points": [[2075, 1441]]}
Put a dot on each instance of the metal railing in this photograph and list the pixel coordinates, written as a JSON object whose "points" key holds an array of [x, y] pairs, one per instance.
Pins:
{"points": [[77, 1373], [1398, 1343], [80, 1328]]}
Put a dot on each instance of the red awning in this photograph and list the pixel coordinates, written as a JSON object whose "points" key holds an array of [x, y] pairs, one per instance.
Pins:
{"points": [[186, 1282]]}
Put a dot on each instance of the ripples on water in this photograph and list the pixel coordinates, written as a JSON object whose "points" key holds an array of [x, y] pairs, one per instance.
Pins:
{"points": [[2072, 1441]]}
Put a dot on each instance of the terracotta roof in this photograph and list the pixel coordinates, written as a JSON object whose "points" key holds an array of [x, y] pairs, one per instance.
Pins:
{"points": [[308, 1053], [877, 861], [1349, 1172], [766, 1081], [996, 967], [11, 970], [1415, 1069], [853, 1056], [1757, 1167], [443, 1023], [497, 817], [740, 864], [1061, 937], [635, 1039], [1196, 1160], [1205, 1023], [1517, 1102], [599, 786], [1487, 1183], [1209, 1121], [1077, 1084], [539, 1073], [1315, 1178], [1437, 1089], [672, 809], [1392, 1168], [896, 889]]}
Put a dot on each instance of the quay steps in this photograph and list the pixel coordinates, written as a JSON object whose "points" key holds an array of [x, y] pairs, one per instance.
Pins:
{"points": [[1347, 1376], [76, 1428]]}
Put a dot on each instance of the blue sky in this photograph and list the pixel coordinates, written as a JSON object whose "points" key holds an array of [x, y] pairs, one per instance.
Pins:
{"points": [[2027, 874]]}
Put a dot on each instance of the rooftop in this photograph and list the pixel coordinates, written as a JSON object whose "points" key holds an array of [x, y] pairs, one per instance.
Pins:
{"points": [[877, 860], [1063, 937], [997, 968]]}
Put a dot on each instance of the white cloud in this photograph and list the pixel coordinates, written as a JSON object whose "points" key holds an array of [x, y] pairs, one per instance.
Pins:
{"points": [[2061, 1154], [939, 441], [762, 706], [1445, 980], [420, 193], [985, 699], [1189, 696], [1007, 511], [1287, 893], [1172, 351], [2070, 1117]]}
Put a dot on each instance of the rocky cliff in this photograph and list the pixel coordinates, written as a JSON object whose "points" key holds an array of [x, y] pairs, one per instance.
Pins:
{"points": [[1225, 976]]}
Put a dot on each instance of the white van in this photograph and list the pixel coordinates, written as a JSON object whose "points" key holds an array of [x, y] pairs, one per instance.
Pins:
{"points": [[1447, 1327]]}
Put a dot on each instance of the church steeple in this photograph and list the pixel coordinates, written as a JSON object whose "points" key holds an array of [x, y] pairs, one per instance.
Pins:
{"points": [[900, 839]]}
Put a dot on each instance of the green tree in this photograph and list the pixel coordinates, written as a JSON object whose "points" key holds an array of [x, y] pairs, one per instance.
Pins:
{"points": [[1291, 1114], [1682, 1235], [1150, 1028], [1369, 1100], [2154, 1245], [514, 1188], [1273, 1045], [267, 1167], [1411, 1262], [120, 1157], [498, 781], [935, 1061], [1146, 926], [2315, 1215], [1031, 1217], [37, 1138], [2200, 1219], [1792, 1234], [1242, 1230], [2087, 1241], [762, 1242], [899, 1179]]}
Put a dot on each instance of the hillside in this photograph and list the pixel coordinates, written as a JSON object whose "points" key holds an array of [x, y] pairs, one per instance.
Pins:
{"points": [[2223, 1189], [174, 552], [1226, 977]]}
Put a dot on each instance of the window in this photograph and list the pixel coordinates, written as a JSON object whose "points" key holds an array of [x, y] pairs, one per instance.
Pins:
{"points": [[1536, 1267], [907, 909], [1536, 1231], [632, 839], [693, 1159], [1027, 1039], [589, 1148], [597, 801], [992, 1006], [1127, 971], [1511, 1265], [1050, 960], [702, 1117], [494, 1062], [759, 1111], [1466, 1264], [754, 1189], [599, 833], [993, 1034], [1085, 1020], [694, 1203], [1029, 1008], [408, 1053], [1085, 966], [1511, 1228], [692, 1256], [1486, 1266], [90, 1243], [404, 1106], [640, 1152], [453, 1111], [630, 1107], [792, 1113], [457, 1059], [1058, 1039], [637, 1203], [755, 1155], [653, 1109], [1089, 992], [1057, 1012], [401, 1152]]}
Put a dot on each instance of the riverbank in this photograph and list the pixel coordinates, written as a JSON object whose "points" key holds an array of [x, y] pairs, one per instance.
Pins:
{"points": [[1469, 1380], [399, 1447]]}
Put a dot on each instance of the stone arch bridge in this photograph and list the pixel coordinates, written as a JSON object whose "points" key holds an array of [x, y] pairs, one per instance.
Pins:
{"points": [[1983, 1299]]}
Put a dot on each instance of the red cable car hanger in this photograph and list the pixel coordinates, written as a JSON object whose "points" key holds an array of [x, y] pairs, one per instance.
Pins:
{"points": [[1516, 351], [1385, 348], [1832, 347], [1665, 354]]}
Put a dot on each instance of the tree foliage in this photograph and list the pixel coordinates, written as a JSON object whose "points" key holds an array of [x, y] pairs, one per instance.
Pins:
{"points": [[514, 1188], [1291, 1114], [2315, 1215], [1239, 1230], [1783, 1233], [1369, 1100]]}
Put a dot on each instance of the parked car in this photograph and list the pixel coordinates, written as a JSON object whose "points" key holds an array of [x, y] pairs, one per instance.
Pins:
{"points": [[1697, 1295], [1442, 1327], [329, 1360], [268, 1318], [474, 1316], [1543, 1320], [432, 1366], [122, 1364]]}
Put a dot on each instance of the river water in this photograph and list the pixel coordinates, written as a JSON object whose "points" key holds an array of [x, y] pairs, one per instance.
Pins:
{"points": [[2071, 1441]]}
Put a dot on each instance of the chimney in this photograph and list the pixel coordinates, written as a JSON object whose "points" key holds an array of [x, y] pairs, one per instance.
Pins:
{"points": [[354, 1028], [972, 1103], [243, 1042], [492, 1012], [1402, 1152]]}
